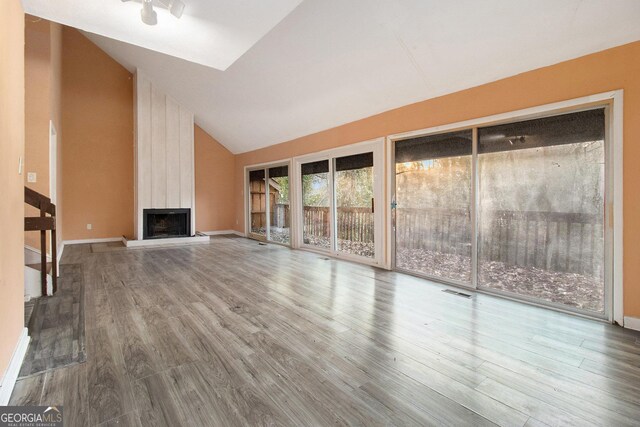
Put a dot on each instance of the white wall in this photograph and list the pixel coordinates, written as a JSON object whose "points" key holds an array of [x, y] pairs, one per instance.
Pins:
{"points": [[164, 162]]}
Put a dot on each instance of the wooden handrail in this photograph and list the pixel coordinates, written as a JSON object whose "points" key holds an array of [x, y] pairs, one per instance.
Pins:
{"points": [[39, 201], [42, 224]]}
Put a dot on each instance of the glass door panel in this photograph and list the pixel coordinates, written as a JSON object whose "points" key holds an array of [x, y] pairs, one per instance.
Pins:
{"points": [[316, 196], [279, 218], [355, 227], [433, 205], [541, 209], [258, 204]]}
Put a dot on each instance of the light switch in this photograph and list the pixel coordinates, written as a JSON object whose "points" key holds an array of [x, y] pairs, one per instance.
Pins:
{"points": [[89, 226], [31, 177]]}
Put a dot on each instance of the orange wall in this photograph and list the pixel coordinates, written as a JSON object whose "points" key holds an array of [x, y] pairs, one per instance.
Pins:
{"points": [[42, 104], [97, 124], [37, 65], [11, 183], [214, 175], [616, 68]]}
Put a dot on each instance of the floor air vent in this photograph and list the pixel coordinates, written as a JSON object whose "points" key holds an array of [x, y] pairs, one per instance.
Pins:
{"points": [[262, 244], [460, 294]]}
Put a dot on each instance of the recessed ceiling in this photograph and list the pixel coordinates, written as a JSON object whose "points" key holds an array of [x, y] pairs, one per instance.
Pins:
{"points": [[214, 33], [330, 62]]}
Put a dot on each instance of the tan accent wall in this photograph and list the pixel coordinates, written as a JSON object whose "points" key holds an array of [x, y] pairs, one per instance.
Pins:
{"points": [[97, 124], [11, 206], [214, 179], [43, 51], [616, 68], [37, 65]]}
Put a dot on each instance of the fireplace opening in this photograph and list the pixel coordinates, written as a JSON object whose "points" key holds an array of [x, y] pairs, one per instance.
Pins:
{"points": [[164, 223]]}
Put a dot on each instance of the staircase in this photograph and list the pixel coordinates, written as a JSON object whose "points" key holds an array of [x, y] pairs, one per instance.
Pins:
{"points": [[41, 278], [33, 281]]}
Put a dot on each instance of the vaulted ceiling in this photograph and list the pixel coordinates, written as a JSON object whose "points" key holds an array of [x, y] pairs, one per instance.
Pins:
{"points": [[214, 33], [321, 63]]}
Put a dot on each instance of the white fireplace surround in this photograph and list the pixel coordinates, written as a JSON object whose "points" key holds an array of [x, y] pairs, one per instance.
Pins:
{"points": [[164, 153]]}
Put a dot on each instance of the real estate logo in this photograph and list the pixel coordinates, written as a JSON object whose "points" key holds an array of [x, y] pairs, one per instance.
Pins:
{"points": [[31, 416]]}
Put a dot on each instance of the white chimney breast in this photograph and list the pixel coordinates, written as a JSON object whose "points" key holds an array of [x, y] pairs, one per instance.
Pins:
{"points": [[164, 163]]}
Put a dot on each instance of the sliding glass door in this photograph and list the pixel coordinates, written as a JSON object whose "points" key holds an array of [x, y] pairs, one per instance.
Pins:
{"points": [[529, 196], [269, 212], [338, 191], [258, 204], [316, 206], [355, 223], [279, 212], [541, 209], [433, 215]]}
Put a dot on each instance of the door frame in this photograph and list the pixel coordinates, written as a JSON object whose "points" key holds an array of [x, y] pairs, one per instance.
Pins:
{"points": [[376, 146], [53, 162], [53, 179], [613, 103]]}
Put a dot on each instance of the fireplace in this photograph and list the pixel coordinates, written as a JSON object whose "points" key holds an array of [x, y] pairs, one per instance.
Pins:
{"points": [[163, 223]]}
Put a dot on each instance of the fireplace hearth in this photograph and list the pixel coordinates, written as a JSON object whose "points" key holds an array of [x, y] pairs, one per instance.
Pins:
{"points": [[165, 223]]}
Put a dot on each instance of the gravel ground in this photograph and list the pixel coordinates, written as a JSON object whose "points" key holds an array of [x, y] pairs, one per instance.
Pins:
{"points": [[365, 249], [569, 289]]}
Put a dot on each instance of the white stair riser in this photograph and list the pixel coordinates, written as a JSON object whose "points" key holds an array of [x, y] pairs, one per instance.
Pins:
{"points": [[32, 287]]}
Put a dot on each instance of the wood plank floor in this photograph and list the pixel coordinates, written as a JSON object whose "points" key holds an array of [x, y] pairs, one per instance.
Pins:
{"points": [[236, 333]]}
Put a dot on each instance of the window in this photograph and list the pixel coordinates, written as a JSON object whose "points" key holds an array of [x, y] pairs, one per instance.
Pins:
{"points": [[337, 202], [433, 196], [355, 204], [537, 212], [269, 211], [541, 209], [315, 204]]}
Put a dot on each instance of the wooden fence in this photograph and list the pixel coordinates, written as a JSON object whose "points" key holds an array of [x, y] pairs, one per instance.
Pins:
{"points": [[354, 224], [567, 242]]}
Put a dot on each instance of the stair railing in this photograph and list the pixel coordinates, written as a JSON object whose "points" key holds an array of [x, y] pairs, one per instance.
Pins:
{"points": [[43, 223]]}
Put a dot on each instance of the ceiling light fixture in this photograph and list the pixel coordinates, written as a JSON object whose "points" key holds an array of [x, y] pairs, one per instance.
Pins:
{"points": [[150, 17]]}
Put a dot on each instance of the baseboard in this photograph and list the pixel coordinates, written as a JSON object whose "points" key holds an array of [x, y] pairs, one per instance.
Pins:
{"points": [[60, 251], [11, 374], [632, 323], [85, 241], [171, 241], [219, 232]]}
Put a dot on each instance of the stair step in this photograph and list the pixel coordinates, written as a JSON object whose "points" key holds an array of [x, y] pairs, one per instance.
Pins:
{"points": [[38, 267]]}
